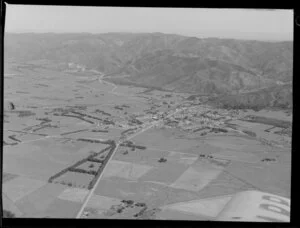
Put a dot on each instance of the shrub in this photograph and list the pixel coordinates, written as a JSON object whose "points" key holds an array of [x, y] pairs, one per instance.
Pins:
{"points": [[8, 214], [92, 172], [119, 210], [140, 204], [141, 147], [268, 159], [162, 160], [129, 202]]}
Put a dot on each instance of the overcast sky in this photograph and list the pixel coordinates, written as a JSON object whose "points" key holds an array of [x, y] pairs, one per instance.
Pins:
{"points": [[223, 23]]}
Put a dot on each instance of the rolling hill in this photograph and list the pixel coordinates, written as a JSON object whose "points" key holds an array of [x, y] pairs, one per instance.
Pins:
{"points": [[168, 61]]}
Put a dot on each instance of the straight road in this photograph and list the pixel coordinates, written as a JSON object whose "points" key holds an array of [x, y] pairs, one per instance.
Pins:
{"points": [[113, 153], [96, 184]]}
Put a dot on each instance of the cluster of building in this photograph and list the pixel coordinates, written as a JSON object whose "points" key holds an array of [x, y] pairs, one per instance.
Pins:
{"points": [[73, 67], [200, 118]]}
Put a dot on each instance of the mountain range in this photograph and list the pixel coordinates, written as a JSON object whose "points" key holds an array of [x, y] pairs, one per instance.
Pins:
{"points": [[228, 68]]}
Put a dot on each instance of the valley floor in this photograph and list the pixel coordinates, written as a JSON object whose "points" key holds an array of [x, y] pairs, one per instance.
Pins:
{"points": [[77, 146]]}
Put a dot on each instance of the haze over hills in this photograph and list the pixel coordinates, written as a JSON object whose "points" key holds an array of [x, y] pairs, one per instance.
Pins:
{"points": [[178, 63]]}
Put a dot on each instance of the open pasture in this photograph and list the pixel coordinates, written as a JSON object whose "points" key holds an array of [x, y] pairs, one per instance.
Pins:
{"points": [[9, 205], [37, 202], [278, 114], [74, 194], [61, 209], [71, 124], [24, 137], [51, 131], [182, 184], [43, 158], [236, 143], [112, 133], [147, 156], [237, 156], [165, 174], [233, 143], [30, 161], [64, 150], [92, 147], [89, 166], [129, 171], [15, 122], [182, 158], [273, 178], [196, 178], [95, 85], [10, 67], [225, 184], [102, 203], [19, 187], [162, 139], [152, 156], [128, 90], [7, 177], [75, 179], [259, 130], [151, 193]]}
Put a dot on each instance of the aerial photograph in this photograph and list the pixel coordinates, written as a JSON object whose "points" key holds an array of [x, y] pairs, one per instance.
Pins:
{"points": [[143, 113]]}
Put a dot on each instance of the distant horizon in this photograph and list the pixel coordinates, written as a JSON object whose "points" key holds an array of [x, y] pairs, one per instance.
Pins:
{"points": [[239, 24], [99, 33]]}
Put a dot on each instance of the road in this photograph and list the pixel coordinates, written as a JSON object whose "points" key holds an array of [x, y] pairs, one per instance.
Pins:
{"points": [[117, 146], [100, 79]]}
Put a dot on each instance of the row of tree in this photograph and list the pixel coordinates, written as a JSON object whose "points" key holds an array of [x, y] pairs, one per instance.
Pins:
{"points": [[130, 144], [78, 170], [93, 159], [73, 167], [99, 171]]}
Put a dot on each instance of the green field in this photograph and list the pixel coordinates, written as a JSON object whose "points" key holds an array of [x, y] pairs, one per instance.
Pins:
{"points": [[178, 172]]}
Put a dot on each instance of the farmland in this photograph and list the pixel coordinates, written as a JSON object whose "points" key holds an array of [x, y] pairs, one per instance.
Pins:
{"points": [[79, 146]]}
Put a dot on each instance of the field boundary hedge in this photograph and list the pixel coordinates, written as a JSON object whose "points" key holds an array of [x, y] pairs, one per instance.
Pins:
{"points": [[73, 168]]}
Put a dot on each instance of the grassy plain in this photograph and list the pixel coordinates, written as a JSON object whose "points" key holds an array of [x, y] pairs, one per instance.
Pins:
{"points": [[179, 173]]}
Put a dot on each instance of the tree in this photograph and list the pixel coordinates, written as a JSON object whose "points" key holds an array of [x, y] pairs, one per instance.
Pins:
{"points": [[9, 106], [162, 160], [138, 204], [8, 214]]}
